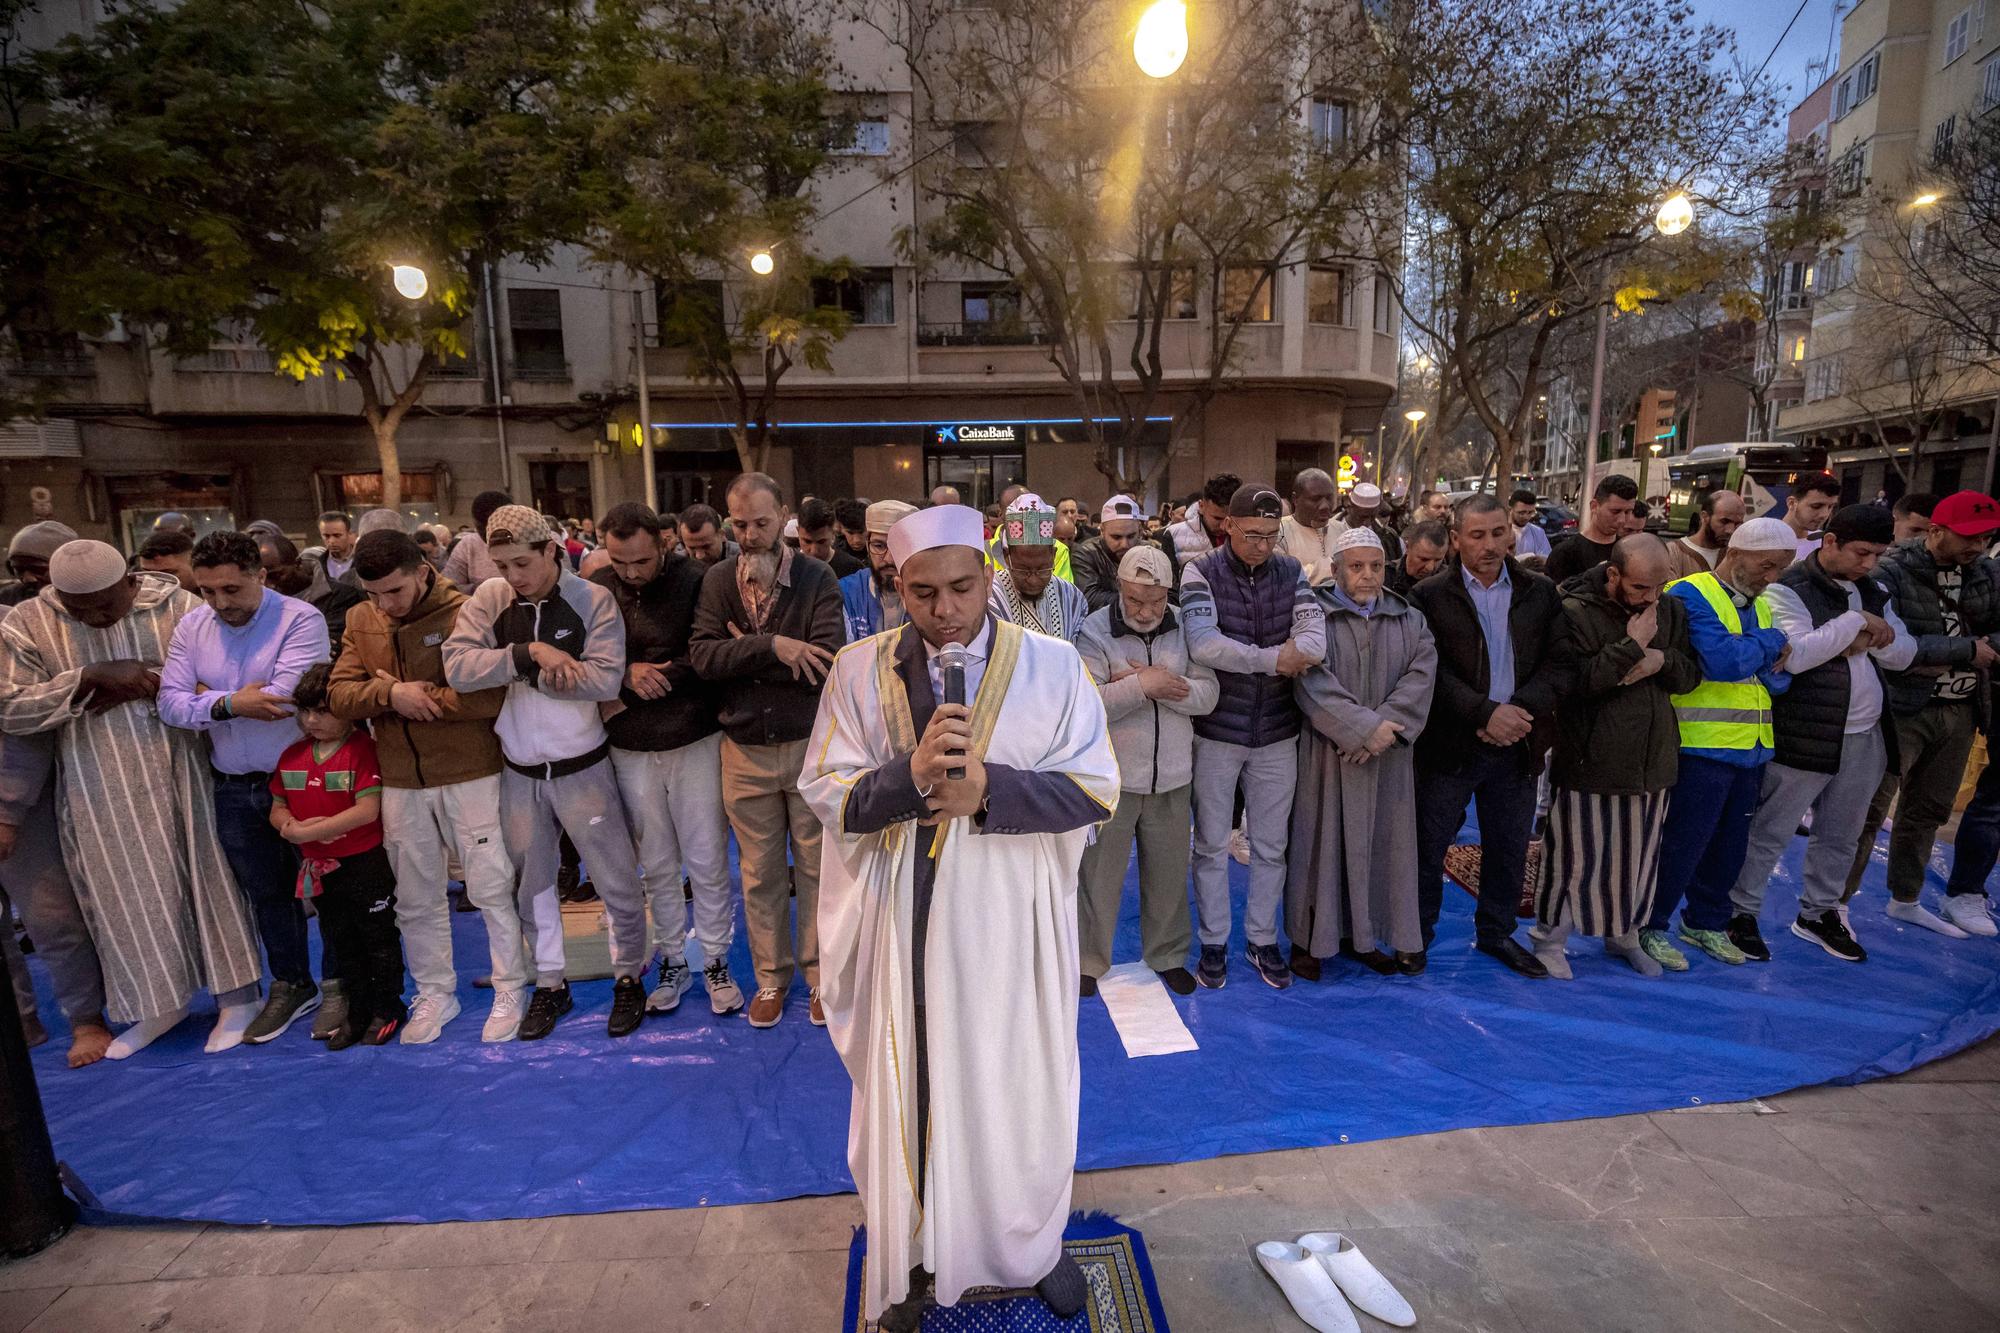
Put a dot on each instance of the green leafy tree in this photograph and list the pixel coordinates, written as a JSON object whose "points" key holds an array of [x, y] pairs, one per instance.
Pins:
{"points": [[290, 154], [727, 116]]}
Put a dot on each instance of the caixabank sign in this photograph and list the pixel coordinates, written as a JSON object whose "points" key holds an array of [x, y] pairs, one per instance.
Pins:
{"points": [[978, 433]]}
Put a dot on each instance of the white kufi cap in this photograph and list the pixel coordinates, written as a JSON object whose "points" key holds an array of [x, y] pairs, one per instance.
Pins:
{"points": [[81, 567], [940, 525], [1357, 538], [1764, 534]]}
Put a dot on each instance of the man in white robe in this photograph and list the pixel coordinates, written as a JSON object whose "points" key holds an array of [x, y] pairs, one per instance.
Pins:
{"points": [[947, 922]]}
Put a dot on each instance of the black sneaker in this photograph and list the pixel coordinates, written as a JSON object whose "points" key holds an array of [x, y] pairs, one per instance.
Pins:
{"points": [[1213, 969], [545, 1007], [286, 1002], [1304, 966], [1179, 980], [1830, 933], [1270, 965], [628, 1007], [1743, 933]]}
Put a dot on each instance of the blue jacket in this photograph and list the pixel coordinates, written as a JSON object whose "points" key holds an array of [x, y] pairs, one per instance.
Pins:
{"points": [[862, 605], [1727, 656]]}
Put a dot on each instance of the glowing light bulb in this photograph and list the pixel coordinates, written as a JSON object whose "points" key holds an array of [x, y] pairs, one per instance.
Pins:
{"points": [[761, 263], [1415, 415], [1160, 44], [1675, 216], [1924, 200], [411, 281]]}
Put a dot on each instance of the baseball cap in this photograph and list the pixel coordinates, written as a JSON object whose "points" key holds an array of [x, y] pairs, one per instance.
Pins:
{"points": [[1119, 506], [1967, 513], [517, 524], [1255, 500], [1146, 564]]}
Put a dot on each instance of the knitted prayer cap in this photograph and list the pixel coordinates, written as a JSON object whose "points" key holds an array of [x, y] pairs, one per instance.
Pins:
{"points": [[1764, 534], [1353, 538], [81, 567], [885, 514]]}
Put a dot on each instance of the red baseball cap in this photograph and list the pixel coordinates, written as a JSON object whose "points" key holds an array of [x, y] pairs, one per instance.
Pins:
{"points": [[1967, 513]]}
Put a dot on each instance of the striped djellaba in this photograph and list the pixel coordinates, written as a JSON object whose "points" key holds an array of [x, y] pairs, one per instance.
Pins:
{"points": [[1600, 860]]}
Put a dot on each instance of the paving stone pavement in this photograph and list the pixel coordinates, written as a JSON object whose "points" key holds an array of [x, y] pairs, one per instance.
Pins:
{"points": [[1864, 1208]]}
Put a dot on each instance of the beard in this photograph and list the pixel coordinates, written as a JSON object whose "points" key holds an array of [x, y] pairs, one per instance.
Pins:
{"points": [[761, 567]]}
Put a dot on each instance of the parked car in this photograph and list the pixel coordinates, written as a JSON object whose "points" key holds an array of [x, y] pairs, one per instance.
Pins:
{"points": [[1554, 519]]}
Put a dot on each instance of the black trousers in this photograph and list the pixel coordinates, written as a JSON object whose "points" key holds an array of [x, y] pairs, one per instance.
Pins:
{"points": [[1504, 794], [357, 916]]}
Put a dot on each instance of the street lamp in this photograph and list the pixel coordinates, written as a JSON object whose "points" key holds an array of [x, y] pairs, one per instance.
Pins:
{"points": [[1160, 43], [1924, 200], [1415, 415], [762, 264], [411, 281], [1675, 216]]}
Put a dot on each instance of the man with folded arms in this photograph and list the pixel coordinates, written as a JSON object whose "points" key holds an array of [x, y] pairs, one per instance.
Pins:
{"points": [[441, 765], [555, 643]]}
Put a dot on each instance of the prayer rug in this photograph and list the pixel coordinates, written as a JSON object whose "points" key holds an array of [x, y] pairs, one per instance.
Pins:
{"points": [[1461, 863], [1123, 1296]]}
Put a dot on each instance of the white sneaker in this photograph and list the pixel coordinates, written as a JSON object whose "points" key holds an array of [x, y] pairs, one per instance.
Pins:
{"points": [[503, 1021], [1358, 1279], [1919, 915], [1968, 912], [724, 995], [675, 977], [427, 1018], [1308, 1286]]}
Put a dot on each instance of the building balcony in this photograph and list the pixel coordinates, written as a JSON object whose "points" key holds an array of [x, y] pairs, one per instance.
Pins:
{"points": [[983, 333]]}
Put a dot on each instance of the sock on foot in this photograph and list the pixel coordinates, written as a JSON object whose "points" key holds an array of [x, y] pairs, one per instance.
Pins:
{"points": [[1552, 957], [1628, 948], [142, 1034], [230, 1027], [1919, 915]]}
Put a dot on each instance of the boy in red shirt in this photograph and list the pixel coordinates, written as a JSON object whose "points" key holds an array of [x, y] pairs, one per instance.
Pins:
{"points": [[327, 799]]}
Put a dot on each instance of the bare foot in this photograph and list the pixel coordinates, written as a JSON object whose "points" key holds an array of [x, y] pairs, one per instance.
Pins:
{"points": [[87, 1045]]}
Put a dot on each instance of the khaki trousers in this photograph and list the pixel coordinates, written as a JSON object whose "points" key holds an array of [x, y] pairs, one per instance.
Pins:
{"points": [[1160, 821], [760, 789]]}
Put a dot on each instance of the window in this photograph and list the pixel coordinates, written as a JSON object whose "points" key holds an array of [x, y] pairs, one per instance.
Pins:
{"points": [[989, 303], [1328, 123], [1243, 300], [1823, 379], [871, 139], [980, 143], [1843, 97], [868, 295], [1176, 291], [1989, 86], [534, 325], [1385, 304], [1835, 270], [1941, 139], [1798, 349], [1864, 78], [1957, 35], [1327, 289]]}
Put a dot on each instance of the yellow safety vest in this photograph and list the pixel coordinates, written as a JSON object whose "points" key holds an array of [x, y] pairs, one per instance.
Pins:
{"points": [[1725, 714]]}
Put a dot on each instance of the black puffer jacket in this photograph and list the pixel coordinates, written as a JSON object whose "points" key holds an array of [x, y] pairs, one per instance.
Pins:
{"points": [[1909, 571]]}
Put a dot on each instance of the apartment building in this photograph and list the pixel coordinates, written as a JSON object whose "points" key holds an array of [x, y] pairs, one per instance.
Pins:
{"points": [[1911, 74], [938, 381]]}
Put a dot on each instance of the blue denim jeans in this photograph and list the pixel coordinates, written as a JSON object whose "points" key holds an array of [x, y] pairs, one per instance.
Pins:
{"points": [[267, 870], [1978, 836], [1705, 841]]}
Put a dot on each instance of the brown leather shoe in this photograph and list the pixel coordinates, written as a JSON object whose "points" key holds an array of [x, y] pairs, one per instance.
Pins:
{"points": [[767, 1008], [814, 1011]]}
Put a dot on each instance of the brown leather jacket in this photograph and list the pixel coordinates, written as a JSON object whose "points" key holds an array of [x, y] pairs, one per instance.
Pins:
{"points": [[460, 746]]}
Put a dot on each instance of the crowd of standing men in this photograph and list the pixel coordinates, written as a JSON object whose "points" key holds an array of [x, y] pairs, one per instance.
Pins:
{"points": [[211, 744]]}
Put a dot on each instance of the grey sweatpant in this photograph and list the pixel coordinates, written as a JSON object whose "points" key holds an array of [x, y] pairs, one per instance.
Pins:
{"points": [[534, 814], [1160, 820], [1270, 774], [36, 881], [1839, 804]]}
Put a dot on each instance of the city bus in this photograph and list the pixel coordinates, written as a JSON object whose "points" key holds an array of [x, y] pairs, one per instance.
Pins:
{"points": [[1764, 474]]}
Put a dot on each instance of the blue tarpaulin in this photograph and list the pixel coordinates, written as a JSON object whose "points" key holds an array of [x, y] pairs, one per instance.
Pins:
{"points": [[698, 1110]]}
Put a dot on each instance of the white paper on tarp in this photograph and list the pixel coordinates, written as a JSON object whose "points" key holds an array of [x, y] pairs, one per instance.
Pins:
{"points": [[1143, 1012]]}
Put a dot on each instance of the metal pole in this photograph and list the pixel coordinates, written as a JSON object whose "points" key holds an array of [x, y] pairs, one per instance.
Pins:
{"points": [[34, 1211], [645, 399], [1596, 405], [499, 391]]}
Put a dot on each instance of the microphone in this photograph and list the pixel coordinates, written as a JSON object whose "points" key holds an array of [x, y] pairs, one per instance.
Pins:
{"points": [[951, 668]]}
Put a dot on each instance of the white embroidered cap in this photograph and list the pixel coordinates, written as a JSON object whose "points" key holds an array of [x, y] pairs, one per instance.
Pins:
{"points": [[940, 525]]}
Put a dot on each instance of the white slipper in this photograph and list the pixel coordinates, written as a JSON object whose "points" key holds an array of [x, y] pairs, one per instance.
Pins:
{"points": [[1358, 1279], [1307, 1285]]}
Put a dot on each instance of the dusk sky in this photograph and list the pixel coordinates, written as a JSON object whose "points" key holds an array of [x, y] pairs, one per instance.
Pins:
{"points": [[1758, 23]]}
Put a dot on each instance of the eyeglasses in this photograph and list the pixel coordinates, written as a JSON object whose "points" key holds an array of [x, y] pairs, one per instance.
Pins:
{"points": [[1258, 538], [878, 547]]}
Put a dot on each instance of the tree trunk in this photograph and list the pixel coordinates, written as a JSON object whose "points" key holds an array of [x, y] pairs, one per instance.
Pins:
{"points": [[392, 461]]}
